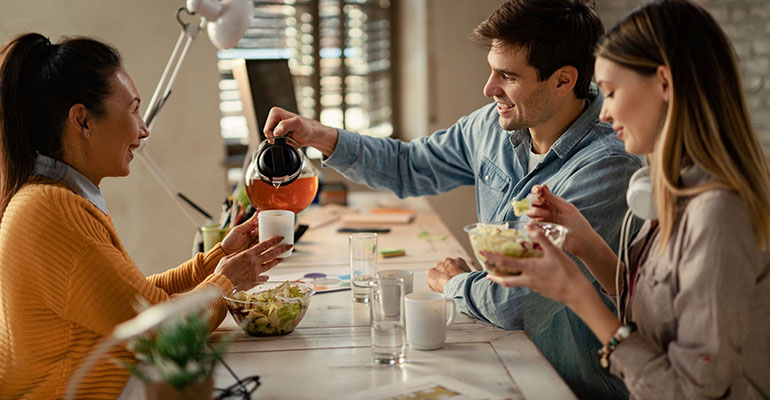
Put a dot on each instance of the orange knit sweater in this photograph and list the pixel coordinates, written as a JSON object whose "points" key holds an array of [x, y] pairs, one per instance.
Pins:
{"points": [[65, 282]]}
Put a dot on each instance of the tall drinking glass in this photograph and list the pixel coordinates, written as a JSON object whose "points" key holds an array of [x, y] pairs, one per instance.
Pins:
{"points": [[363, 265], [387, 315]]}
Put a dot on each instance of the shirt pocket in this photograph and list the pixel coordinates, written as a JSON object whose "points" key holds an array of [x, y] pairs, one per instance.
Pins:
{"points": [[656, 292], [493, 186]]}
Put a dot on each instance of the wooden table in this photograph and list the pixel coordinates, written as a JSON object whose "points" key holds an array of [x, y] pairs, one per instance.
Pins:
{"points": [[329, 353]]}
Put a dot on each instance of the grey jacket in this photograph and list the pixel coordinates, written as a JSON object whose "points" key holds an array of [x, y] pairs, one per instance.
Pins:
{"points": [[702, 307]]}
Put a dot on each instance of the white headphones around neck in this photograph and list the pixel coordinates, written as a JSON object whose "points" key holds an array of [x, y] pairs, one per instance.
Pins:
{"points": [[639, 195], [640, 204]]}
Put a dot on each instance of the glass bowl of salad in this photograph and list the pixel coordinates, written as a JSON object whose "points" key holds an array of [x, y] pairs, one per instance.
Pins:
{"points": [[511, 239], [269, 308]]}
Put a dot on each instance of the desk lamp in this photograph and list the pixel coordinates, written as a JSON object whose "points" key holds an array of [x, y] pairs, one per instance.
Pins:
{"points": [[226, 21]]}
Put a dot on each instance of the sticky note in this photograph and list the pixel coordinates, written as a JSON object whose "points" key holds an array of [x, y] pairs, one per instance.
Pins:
{"points": [[392, 253]]}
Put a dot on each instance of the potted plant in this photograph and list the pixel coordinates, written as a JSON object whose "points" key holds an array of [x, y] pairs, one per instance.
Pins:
{"points": [[176, 361]]}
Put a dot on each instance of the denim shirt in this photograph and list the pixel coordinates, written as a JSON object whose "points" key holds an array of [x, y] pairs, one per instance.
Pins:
{"points": [[587, 166]]}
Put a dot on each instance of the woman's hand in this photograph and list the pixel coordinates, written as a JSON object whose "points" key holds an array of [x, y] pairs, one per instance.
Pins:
{"points": [[554, 275], [549, 207], [242, 236], [248, 265], [304, 131]]}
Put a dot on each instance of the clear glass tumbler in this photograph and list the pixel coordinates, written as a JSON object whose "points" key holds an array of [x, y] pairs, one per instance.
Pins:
{"points": [[387, 316], [363, 265]]}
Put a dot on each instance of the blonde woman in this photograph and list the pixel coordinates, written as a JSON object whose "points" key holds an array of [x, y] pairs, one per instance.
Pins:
{"points": [[694, 297]]}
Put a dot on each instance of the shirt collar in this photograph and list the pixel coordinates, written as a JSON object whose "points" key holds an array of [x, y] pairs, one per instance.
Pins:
{"points": [[577, 130], [61, 172]]}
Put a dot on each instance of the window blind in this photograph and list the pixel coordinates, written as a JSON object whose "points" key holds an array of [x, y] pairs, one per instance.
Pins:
{"points": [[339, 54]]}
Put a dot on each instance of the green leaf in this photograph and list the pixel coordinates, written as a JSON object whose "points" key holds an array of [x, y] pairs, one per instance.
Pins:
{"points": [[429, 236], [178, 352]]}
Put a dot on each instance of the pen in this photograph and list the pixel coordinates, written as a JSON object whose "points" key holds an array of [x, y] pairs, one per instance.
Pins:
{"points": [[227, 221], [239, 216]]}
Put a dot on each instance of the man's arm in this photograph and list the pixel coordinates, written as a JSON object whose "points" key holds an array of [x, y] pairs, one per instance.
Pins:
{"points": [[304, 131], [425, 166], [487, 301], [428, 165]]}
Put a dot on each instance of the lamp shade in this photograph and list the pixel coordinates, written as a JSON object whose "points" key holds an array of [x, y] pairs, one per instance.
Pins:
{"points": [[227, 19]]}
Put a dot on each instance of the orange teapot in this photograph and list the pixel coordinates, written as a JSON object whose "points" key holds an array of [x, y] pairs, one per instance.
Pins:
{"points": [[280, 177]]}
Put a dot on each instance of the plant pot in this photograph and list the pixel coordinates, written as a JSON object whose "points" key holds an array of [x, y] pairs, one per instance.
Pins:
{"points": [[203, 390]]}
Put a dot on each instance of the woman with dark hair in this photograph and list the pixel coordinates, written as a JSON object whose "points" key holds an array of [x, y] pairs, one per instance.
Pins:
{"points": [[694, 298], [70, 117]]}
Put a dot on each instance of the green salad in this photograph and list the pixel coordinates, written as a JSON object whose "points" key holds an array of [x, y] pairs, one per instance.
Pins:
{"points": [[503, 240], [520, 206], [269, 312]]}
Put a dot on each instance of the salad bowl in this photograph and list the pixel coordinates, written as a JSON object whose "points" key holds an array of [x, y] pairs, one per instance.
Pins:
{"points": [[511, 239], [269, 308]]}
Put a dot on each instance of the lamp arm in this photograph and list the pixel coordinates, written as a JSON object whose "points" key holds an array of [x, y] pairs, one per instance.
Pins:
{"points": [[179, 199], [167, 79], [158, 100]]}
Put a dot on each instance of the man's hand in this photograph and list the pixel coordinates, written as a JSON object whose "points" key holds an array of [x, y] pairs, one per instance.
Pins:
{"points": [[304, 131], [444, 271]]}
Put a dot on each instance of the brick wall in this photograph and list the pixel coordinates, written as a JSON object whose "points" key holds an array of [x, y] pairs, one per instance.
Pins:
{"points": [[747, 23]]}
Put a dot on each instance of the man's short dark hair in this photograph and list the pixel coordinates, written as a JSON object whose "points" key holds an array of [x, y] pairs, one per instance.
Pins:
{"points": [[554, 33]]}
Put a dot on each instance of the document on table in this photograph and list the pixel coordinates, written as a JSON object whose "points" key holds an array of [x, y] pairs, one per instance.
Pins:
{"points": [[324, 279], [432, 387]]}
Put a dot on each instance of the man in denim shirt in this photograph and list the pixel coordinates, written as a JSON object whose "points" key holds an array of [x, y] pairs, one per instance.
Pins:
{"points": [[543, 128]]}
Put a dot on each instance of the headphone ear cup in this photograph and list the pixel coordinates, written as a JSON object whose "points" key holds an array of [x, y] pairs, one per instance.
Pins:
{"points": [[639, 195]]}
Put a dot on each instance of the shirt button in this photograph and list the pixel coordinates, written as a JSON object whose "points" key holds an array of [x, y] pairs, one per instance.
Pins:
{"points": [[486, 178]]}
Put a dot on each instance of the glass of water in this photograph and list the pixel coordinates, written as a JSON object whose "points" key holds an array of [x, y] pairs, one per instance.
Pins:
{"points": [[363, 265], [386, 307]]}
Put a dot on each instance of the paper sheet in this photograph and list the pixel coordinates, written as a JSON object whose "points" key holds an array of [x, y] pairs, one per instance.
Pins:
{"points": [[325, 279], [432, 387]]}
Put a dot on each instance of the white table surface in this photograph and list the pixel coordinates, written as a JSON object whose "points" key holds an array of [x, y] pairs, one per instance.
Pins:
{"points": [[329, 355]]}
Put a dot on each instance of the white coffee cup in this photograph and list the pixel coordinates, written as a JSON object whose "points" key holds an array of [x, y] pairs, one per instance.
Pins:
{"points": [[277, 223], [428, 314], [407, 276]]}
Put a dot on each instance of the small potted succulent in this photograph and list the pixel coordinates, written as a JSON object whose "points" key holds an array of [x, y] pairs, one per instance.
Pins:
{"points": [[176, 361]]}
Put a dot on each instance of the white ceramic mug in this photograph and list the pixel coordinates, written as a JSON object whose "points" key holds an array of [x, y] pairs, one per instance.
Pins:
{"points": [[277, 223], [407, 276], [428, 315]]}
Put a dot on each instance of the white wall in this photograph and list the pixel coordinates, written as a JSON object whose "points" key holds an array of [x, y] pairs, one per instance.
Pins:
{"points": [[185, 140], [443, 75], [747, 24], [442, 78]]}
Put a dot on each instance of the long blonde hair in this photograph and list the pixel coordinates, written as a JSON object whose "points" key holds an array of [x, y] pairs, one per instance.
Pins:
{"points": [[707, 123]]}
